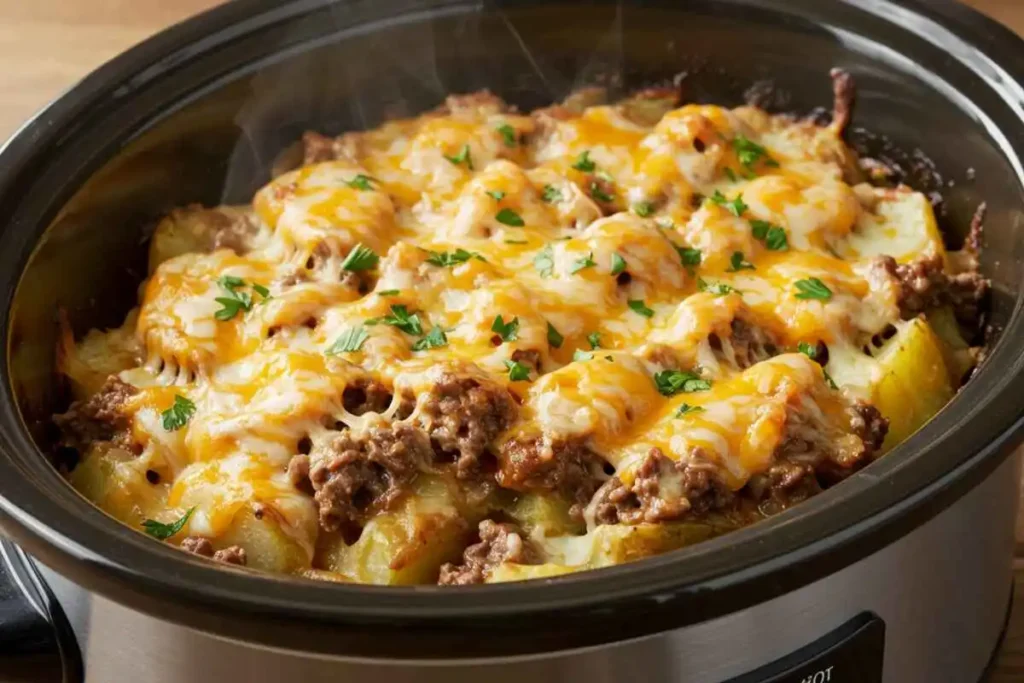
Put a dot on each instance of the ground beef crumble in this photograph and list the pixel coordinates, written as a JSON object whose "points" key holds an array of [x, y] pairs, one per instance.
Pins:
{"points": [[98, 418], [355, 477], [565, 467], [499, 543], [924, 284], [462, 417], [198, 545]]}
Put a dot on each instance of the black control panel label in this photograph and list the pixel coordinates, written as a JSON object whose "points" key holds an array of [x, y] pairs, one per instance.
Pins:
{"points": [[852, 653]]}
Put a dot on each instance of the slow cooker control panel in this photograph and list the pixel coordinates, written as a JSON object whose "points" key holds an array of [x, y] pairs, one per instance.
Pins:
{"points": [[852, 653]]}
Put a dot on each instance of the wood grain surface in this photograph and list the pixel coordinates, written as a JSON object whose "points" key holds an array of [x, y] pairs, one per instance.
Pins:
{"points": [[47, 45]]}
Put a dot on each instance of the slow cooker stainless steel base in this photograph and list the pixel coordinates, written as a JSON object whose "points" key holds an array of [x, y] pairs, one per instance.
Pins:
{"points": [[900, 574], [929, 607]]}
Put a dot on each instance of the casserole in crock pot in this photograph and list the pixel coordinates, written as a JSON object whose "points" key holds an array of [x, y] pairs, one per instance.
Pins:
{"points": [[482, 346]]}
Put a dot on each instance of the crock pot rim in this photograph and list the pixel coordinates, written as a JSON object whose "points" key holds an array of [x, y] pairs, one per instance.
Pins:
{"points": [[670, 591]]}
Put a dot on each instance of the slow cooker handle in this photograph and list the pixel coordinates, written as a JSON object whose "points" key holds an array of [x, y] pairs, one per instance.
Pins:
{"points": [[37, 644]]}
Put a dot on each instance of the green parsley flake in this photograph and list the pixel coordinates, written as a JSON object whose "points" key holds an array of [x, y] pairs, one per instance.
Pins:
{"points": [[402, 319], [551, 194], [719, 288], [178, 415], [360, 182], [235, 301], [584, 163], [508, 133], [360, 258], [350, 340], [462, 156], [447, 259], [516, 242], [618, 264], [517, 372], [598, 193], [585, 262], [594, 339], [672, 382], [828, 380], [690, 257], [686, 409], [773, 236], [808, 350], [737, 263], [161, 531], [262, 291], [507, 331], [813, 288], [638, 306], [389, 292], [643, 209], [509, 217], [731, 175], [544, 261], [749, 152], [496, 195], [734, 206], [434, 340], [555, 338]]}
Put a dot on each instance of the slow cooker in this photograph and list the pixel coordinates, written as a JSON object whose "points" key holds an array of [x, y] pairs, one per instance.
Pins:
{"points": [[900, 574]]}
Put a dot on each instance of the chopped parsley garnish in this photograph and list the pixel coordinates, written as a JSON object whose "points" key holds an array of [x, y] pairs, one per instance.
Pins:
{"points": [[594, 339], [235, 301], [446, 259], [808, 350], [161, 531], [585, 262], [580, 355], [517, 372], [618, 264], [544, 261], [389, 292], [599, 194], [773, 236], [551, 194], [672, 382], [734, 206], [828, 380], [584, 163], [360, 258], [496, 195], [731, 174], [435, 339], [508, 133], [350, 340], [638, 306], [686, 409], [690, 257], [462, 156], [509, 217], [555, 338], [737, 263], [813, 288], [516, 242], [508, 331], [178, 415], [400, 318], [749, 152], [719, 288], [643, 209], [360, 182]]}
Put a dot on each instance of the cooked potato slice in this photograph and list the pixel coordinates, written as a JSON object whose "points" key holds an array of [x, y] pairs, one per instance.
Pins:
{"points": [[914, 381], [405, 546], [112, 479], [99, 354], [266, 545]]}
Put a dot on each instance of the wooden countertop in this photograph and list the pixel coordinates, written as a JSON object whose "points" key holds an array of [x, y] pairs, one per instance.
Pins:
{"points": [[49, 44]]}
